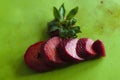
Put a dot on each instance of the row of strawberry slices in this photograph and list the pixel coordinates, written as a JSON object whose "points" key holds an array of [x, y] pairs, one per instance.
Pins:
{"points": [[57, 52]]}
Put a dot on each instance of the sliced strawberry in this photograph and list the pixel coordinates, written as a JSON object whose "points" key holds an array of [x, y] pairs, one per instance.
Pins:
{"points": [[67, 51], [84, 48], [98, 47], [51, 54], [34, 58]]}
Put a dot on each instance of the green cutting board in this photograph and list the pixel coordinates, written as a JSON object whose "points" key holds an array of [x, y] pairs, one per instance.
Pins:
{"points": [[23, 22]]}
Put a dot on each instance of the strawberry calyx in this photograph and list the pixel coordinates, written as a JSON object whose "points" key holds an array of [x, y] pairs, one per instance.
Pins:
{"points": [[63, 25]]}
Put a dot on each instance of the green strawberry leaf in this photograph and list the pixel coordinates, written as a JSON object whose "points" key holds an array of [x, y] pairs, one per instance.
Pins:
{"points": [[56, 13], [72, 32], [72, 13], [54, 28], [62, 11], [73, 21], [76, 29]]}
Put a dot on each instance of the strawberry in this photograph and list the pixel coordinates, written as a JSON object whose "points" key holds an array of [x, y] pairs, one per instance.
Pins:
{"points": [[67, 50], [34, 58], [99, 48], [50, 52], [63, 47], [84, 48]]}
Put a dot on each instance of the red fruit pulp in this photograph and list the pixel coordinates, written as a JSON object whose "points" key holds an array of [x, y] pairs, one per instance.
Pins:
{"points": [[84, 48], [67, 50], [98, 47], [50, 52], [33, 61]]}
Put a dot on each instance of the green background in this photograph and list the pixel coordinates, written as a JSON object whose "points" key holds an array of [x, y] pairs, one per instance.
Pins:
{"points": [[23, 22]]}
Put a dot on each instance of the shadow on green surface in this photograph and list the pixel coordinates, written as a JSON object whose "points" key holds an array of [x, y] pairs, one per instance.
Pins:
{"points": [[22, 70]]}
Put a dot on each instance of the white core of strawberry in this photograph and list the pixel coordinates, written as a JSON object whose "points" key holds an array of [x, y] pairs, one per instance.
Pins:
{"points": [[71, 49], [89, 44]]}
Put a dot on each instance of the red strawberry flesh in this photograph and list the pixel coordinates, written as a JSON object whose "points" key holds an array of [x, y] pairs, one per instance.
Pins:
{"points": [[84, 48], [71, 49], [68, 51], [98, 47], [50, 51], [32, 60]]}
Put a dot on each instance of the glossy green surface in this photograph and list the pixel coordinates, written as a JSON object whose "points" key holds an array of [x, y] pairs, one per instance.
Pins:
{"points": [[23, 22]]}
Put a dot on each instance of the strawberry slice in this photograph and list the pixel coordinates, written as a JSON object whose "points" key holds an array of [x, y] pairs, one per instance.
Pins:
{"points": [[84, 48], [67, 50], [34, 58], [51, 54], [98, 47]]}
